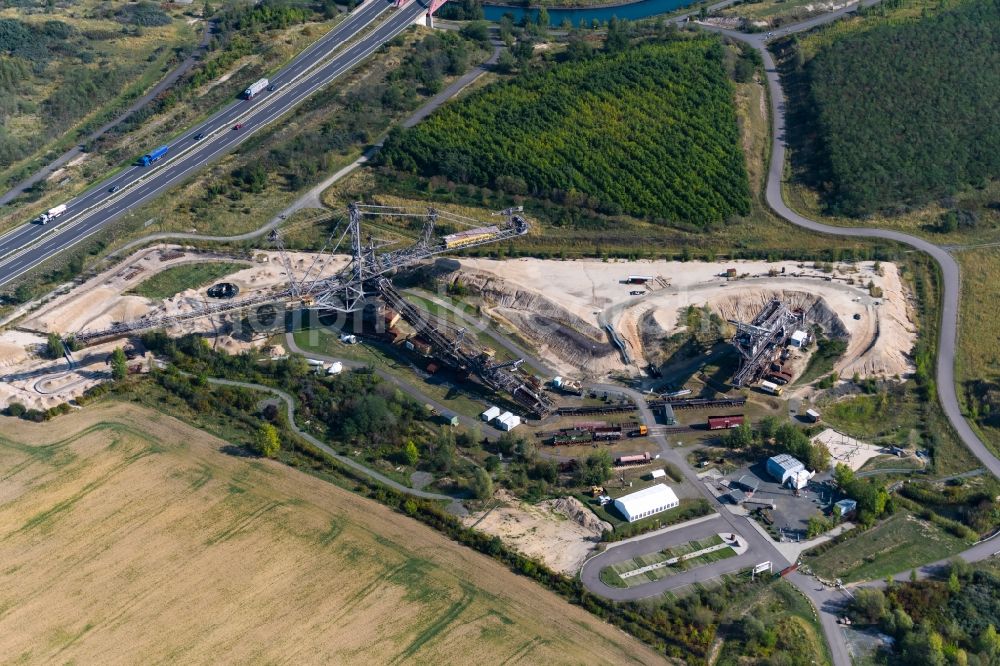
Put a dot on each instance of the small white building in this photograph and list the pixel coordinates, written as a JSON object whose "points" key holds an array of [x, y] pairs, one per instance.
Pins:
{"points": [[335, 368], [491, 413], [657, 474], [798, 339], [508, 422], [647, 502]]}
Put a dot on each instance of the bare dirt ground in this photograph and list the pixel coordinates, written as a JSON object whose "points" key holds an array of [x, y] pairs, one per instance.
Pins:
{"points": [[852, 452], [560, 532], [562, 306], [130, 538], [103, 299]]}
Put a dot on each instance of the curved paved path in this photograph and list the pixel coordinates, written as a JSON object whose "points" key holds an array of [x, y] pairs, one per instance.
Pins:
{"points": [[950, 276], [350, 462], [312, 197], [830, 602]]}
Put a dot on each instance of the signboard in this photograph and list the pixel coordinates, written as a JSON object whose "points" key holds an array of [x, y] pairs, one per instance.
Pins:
{"points": [[763, 566]]}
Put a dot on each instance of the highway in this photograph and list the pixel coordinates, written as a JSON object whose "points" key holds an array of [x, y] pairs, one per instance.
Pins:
{"points": [[27, 246]]}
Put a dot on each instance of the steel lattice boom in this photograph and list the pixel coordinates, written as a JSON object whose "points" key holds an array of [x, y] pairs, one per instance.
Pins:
{"points": [[348, 290]]}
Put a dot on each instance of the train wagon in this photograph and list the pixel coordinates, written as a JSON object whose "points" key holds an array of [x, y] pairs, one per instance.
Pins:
{"points": [[470, 237], [723, 422]]}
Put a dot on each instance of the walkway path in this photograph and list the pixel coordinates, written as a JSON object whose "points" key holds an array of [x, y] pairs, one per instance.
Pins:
{"points": [[76, 150], [454, 507], [404, 386]]}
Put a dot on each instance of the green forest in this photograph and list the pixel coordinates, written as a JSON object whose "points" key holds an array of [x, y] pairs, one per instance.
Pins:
{"points": [[911, 111], [936, 622], [649, 131]]}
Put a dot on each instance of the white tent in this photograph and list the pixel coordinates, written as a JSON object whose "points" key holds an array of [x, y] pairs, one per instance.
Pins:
{"points": [[646, 502]]}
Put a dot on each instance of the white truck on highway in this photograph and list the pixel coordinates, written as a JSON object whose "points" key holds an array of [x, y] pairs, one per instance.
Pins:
{"points": [[255, 88], [51, 214]]}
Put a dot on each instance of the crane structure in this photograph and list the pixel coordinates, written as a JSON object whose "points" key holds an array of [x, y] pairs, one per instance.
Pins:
{"points": [[363, 283], [759, 340]]}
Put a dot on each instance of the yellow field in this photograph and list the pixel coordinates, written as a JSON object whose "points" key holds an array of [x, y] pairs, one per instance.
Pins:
{"points": [[129, 537]]}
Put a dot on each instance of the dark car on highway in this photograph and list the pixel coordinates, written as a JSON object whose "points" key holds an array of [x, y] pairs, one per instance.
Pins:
{"points": [[238, 126], [114, 188], [199, 136]]}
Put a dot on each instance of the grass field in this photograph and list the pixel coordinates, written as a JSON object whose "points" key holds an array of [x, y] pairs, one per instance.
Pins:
{"points": [[894, 545], [129, 537], [979, 354], [188, 276], [325, 342], [76, 51]]}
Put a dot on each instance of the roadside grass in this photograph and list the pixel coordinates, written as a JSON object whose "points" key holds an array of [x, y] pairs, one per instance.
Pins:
{"points": [[978, 367], [122, 145], [896, 544], [176, 279], [195, 204], [616, 571], [774, 12], [146, 55]]}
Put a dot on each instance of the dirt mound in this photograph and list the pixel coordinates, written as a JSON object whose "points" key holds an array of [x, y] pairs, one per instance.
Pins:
{"points": [[574, 509], [560, 532]]}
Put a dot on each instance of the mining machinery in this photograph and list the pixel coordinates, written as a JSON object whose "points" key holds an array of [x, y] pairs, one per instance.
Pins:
{"points": [[759, 341], [363, 283]]}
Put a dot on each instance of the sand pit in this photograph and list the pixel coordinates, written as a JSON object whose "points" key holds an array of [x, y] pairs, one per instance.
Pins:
{"points": [[562, 306], [847, 450], [560, 532], [102, 300]]}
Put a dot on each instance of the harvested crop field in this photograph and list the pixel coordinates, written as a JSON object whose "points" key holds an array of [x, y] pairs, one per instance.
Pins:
{"points": [[129, 537]]}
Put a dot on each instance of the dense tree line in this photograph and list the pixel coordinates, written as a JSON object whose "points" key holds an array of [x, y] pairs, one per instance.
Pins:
{"points": [[908, 112], [937, 622], [648, 131]]}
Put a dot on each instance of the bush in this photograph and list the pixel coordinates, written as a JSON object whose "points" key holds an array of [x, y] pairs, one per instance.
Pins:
{"points": [[145, 14]]}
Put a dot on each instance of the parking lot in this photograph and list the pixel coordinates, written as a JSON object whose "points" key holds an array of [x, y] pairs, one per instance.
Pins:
{"points": [[791, 513]]}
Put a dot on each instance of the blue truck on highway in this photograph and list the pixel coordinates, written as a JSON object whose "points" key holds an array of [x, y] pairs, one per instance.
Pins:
{"points": [[151, 157]]}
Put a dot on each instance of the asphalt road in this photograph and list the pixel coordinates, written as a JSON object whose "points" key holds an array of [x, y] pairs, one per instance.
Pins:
{"points": [[590, 573], [827, 601], [25, 247]]}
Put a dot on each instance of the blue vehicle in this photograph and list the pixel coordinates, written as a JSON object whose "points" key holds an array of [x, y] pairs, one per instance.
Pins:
{"points": [[153, 156]]}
